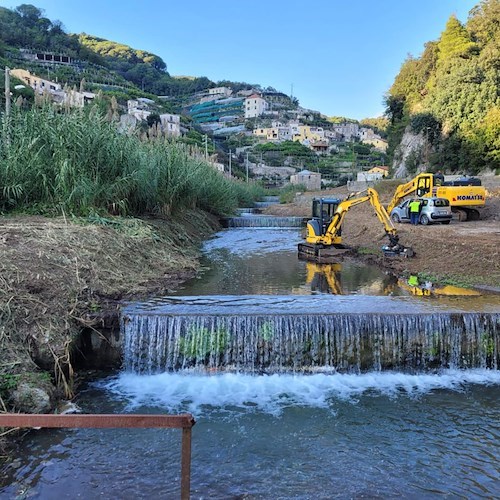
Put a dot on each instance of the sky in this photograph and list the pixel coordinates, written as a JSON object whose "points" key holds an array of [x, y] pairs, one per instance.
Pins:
{"points": [[338, 57]]}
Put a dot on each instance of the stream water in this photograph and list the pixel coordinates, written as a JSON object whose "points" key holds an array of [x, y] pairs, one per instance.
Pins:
{"points": [[424, 425]]}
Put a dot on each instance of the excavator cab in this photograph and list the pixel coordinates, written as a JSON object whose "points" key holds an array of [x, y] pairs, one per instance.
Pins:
{"points": [[322, 213]]}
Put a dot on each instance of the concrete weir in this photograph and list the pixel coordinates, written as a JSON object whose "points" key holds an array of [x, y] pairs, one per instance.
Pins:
{"points": [[264, 221], [267, 334]]}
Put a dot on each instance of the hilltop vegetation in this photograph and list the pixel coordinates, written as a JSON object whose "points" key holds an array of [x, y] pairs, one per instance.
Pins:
{"points": [[450, 94]]}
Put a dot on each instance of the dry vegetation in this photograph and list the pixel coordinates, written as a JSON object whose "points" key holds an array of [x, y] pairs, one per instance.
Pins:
{"points": [[58, 275]]}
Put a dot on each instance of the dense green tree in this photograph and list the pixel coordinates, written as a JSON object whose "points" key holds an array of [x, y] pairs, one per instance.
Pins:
{"points": [[451, 93], [455, 41]]}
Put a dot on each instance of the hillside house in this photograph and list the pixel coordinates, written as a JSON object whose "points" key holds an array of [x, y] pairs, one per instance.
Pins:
{"points": [[220, 92], [255, 106], [378, 143], [374, 174], [38, 84], [276, 133], [311, 180], [171, 124], [306, 134], [347, 130]]}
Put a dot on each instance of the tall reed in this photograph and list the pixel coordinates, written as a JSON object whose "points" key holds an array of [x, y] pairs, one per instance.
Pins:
{"points": [[77, 162]]}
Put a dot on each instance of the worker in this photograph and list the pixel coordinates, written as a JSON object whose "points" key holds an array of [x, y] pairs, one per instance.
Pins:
{"points": [[414, 212], [413, 280]]}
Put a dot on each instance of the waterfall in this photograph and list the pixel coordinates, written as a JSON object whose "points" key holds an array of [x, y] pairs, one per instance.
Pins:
{"points": [[231, 334], [263, 221], [264, 204], [246, 211]]}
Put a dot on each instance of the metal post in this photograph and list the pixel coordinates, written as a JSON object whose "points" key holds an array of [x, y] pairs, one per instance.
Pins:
{"points": [[206, 147], [7, 92], [74, 421], [186, 463], [247, 165]]}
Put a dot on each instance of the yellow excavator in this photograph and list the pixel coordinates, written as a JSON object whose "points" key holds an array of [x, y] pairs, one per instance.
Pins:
{"points": [[323, 239], [465, 194]]}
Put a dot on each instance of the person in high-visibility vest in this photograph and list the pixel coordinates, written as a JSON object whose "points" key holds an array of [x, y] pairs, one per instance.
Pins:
{"points": [[414, 212]]}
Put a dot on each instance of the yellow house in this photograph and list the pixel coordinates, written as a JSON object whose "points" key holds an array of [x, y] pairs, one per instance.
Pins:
{"points": [[379, 144], [308, 133], [384, 171], [271, 134]]}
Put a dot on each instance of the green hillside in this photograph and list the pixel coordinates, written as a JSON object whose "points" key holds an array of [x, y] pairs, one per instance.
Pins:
{"points": [[451, 94]]}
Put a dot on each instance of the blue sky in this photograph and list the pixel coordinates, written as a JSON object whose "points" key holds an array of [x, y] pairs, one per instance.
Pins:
{"points": [[340, 56]]}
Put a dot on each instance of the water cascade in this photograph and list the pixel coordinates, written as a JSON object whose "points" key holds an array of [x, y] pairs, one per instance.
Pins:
{"points": [[264, 204], [267, 221], [246, 211], [260, 334]]}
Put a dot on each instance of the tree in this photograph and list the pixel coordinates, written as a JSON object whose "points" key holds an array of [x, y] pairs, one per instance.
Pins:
{"points": [[455, 41], [29, 13]]}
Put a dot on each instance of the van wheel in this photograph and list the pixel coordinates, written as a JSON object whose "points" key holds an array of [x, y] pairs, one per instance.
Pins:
{"points": [[424, 220], [395, 218]]}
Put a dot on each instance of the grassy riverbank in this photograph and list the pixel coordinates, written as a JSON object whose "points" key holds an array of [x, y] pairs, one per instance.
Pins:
{"points": [[58, 275]]}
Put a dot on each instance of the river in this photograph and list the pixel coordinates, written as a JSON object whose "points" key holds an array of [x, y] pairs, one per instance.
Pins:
{"points": [[327, 433]]}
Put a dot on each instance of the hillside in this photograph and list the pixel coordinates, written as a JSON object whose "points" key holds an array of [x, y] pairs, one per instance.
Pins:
{"points": [[449, 96]]}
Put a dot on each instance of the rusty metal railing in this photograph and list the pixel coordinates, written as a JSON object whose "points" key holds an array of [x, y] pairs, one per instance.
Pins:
{"points": [[184, 422]]}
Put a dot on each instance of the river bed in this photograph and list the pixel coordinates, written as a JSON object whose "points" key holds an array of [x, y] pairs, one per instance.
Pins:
{"points": [[376, 434]]}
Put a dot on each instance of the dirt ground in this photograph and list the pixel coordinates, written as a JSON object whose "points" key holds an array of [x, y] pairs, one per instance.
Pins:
{"points": [[464, 253]]}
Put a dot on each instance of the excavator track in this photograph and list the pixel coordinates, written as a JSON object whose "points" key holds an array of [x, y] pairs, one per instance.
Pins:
{"points": [[321, 254]]}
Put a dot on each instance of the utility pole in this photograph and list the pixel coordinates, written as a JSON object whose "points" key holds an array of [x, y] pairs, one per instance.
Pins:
{"points": [[7, 92], [247, 165], [229, 163], [206, 147]]}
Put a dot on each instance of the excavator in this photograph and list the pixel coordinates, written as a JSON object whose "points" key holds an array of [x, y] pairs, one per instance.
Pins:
{"points": [[465, 195], [323, 239]]}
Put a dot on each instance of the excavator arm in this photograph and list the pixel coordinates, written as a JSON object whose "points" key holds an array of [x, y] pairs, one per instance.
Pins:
{"points": [[421, 184], [333, 230]]}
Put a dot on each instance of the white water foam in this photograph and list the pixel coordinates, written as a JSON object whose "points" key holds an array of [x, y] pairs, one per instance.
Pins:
{"points": [[199, 394]]}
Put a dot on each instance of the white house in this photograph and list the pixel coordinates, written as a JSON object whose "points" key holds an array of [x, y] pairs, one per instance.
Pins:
{"points": [[171, 124], [255, 106]]}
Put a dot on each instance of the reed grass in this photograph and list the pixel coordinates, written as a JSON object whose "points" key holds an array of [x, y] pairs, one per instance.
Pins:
{"points": [[78, 163]]}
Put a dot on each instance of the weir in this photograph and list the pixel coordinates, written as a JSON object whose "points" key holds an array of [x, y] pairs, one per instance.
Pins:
{"points": [[267, 221], [264, 204], [246, 211], [269, 334]]}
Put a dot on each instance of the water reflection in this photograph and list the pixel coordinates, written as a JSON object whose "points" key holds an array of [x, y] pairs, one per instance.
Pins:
{"points": [[263, 261]]}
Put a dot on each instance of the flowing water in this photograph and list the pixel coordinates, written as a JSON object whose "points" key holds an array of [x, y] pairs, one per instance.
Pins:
{"points": [[306, 382]]}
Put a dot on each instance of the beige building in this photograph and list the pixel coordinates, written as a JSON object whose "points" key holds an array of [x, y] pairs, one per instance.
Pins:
{"points": [[220, 92], [377, 143], [311, 180], [38, 84], [308, 134], [374, 174], [171, 124]]}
